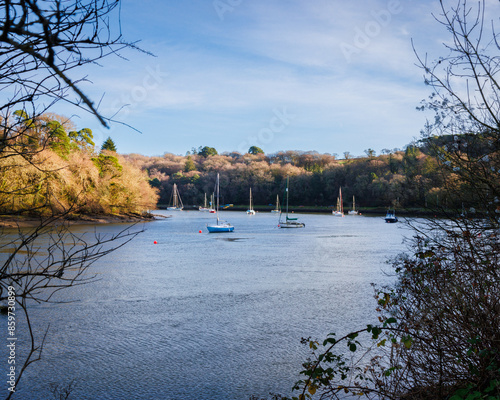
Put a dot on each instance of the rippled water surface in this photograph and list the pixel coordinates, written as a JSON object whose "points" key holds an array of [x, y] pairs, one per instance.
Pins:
{"points": [[210, 316]]}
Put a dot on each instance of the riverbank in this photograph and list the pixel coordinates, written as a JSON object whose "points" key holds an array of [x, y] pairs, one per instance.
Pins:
{"points": [[411, 212], [25, 221]]}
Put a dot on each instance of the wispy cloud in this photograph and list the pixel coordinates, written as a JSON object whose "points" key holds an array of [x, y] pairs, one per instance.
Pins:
{"points": [[346, 69]]}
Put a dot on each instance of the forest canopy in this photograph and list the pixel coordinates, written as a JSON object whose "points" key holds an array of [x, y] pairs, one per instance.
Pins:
{"points": [[403, 178], [49, 168]]}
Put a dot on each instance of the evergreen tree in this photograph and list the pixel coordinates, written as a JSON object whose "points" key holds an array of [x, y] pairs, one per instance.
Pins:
{"points": [[109, 145]]}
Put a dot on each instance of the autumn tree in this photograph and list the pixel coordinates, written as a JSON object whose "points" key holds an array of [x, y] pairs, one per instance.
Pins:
{"points": [[43, 46], [438, 336]]}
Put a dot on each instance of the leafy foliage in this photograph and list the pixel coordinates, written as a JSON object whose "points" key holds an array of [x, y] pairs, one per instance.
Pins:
{"points": [[108, 145], [67, 175]]}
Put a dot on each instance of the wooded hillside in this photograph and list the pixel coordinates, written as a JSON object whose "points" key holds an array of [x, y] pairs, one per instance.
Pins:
{"points": [[404, 178], [49, 168]]}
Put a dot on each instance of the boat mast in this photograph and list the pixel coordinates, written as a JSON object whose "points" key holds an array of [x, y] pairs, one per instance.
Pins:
{"points": [[287, 182], [250, 198], [175, 196], [341, 205], [217, 210]]}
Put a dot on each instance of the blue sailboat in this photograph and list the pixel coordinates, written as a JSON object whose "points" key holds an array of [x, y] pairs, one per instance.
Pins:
{"points": [[219, 226]]}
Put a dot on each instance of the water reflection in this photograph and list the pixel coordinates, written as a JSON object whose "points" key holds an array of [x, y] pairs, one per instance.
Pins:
{"points": [[197, 317]]}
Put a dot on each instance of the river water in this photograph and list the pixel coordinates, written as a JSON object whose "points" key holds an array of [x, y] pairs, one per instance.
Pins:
{"points": [[209, 316]]}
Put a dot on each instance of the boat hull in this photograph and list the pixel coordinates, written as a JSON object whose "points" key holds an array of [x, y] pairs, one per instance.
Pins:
{"points": [[291, 225], [174, 208], [220, 228], [275, 211], [391, 220], [251, 212]]}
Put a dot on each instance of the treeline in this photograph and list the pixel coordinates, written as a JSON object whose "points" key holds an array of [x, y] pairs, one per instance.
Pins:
{"points": [[49, 168], [408, 178]]}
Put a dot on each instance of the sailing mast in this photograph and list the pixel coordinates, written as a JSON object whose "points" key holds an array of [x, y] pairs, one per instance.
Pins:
{"points": [[217, 208]]}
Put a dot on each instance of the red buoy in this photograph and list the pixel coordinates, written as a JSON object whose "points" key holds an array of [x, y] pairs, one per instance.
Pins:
{"points": [[155, 242], [199, 231]]}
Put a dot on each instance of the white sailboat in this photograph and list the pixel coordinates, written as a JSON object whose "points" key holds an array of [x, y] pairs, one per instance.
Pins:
{"points": [[176, 200], [204, 208], [220, 226], [289, 222], [277, 209], [339, 212], [250, 210], [353, 211], [211, 210]]}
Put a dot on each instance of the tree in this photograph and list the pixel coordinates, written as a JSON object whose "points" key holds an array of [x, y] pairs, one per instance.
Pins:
{"points": [[207, 151], [83, 139], [370, 153], [42, 42], [189, 165], [255, 150], [439, 336], [108, 145], [43, 46]]}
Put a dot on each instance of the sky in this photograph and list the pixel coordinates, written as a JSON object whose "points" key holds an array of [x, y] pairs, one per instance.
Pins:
{"points": [[313, 75]]}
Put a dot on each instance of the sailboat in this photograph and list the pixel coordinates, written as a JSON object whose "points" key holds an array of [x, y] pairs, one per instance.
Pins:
{"points": [[277, 209], [204, 208], [339, 212], [220, 226], [177, 202], [211, 210], [250, 210], [353, 211], [289, 222]]}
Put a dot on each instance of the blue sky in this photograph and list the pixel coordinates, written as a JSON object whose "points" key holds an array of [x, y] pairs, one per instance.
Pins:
{"points": [[330, 76]]}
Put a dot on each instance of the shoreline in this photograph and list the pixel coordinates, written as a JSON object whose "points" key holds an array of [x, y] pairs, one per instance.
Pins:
{"points": [[13, 221]]}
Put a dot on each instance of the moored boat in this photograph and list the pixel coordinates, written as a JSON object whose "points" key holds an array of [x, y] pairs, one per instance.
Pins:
{"points": [[176, 200], [250, 210], [219, 226], [353, 211], [289, 222], [339, 212], [390, 217]]}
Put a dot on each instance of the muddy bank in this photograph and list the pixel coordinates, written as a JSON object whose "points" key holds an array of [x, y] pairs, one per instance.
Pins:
{"points": [[14, 221]]}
